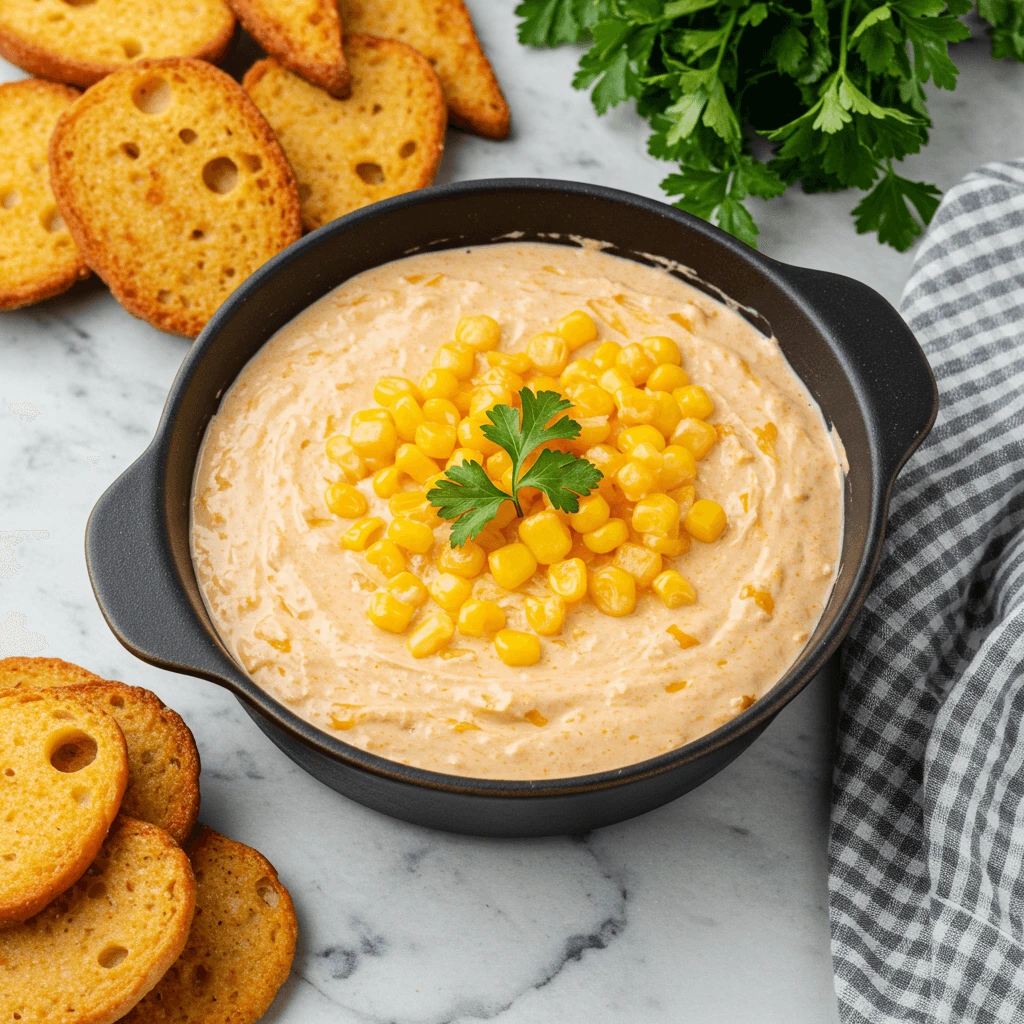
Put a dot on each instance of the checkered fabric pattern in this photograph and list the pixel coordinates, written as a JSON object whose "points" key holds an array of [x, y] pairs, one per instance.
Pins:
{"points": [[927, 836]]}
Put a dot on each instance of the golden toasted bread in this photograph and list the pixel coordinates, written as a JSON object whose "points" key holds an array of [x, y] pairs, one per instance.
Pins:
{"points": [[63, 773], [241, 946], [80, 41], [163, 763], [92, 954], [443, 32], [174, 188], [38, 258], [385, 139], [304, 35]]}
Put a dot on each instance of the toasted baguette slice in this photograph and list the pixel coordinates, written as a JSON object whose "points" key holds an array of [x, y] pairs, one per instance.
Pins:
{"points": [[163, 762], [63, 772], [80, 42], [304, 35], [241, 946], [385, 139], [38, 258], [443, 32], [91, 955], [174, 188]]}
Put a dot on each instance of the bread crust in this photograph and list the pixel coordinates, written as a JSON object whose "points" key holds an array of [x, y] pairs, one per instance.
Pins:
{"points": [[37, 60], [58, 280], [275, 39], [109, 263]]}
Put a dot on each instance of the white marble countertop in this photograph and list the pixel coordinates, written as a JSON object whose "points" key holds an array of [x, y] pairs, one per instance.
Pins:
{"points": [[712, 909]]}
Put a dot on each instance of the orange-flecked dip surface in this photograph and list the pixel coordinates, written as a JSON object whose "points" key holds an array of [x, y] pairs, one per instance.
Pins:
{"points": [[307, 516]]}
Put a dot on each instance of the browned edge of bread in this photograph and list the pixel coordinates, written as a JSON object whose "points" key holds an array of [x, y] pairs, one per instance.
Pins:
{"points": [[171, 320], [334, 77], [45, 63]]}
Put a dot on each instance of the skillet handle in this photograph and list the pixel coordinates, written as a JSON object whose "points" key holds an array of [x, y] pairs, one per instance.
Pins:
{"points": [[136, 582], [884, 359]]}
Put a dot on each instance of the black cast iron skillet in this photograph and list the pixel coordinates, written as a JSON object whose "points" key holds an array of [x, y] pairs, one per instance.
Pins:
{"points": [[849, 346]]}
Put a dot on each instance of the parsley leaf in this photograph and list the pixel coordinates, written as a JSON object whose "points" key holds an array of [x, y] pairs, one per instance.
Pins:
{"points": [[884, 209], [469, 497]]}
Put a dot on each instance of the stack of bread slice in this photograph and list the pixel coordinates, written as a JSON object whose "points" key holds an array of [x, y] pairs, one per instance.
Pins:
{"points": [[171, 181], [112, 905]]}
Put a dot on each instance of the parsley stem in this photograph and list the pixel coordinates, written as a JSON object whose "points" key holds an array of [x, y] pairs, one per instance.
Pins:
{"points": [[844, 29], [725, 38]]}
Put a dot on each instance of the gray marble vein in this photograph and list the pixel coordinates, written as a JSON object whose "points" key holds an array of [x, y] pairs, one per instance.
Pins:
{"points": [[709, 910]]}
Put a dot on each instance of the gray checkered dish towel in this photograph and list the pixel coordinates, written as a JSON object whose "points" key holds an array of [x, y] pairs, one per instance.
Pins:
{"points": [[926, 858]]}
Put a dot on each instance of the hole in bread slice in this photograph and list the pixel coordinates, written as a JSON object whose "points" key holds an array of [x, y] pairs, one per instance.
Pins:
{"points": [[112, 955], [10, 198], [152, 95], [187, 136], [372, 174], [71, 750], [407, 150], [130, 150], [132, 48], [220, 175]]}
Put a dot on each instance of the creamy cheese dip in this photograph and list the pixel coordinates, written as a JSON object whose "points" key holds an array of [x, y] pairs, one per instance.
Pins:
{"points": [[290, 603]]}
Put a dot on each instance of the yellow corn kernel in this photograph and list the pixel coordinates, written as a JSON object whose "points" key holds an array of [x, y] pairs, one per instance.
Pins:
{"points": [[498, 464], [668, 416], [673, 547], [644, 433], [461, 456], [408, 588], [466, 561], [684, 497], [505, 515], [640, 562], [604, 357], [636, 362], [546, 536], [386, 612], [441, 410], [698, 436], [463, 399], [388, 389], [519, 650], [438, 383], [415, 463], [593, 430], [658, 514], [512, 565], [683, 639], [636, 406], [568, 579], [487, 396], [579, 371], [674, 589], [413, 505], [516, 362], [359, 534], [451, 592], [432, 635], [606, 458], [386, 556], [591, 399], [613, 590], [505, 482], [705, 521], [346, 458], [548, 353], [457, 358], [471, 436], [666, 377], [678, 467], [576, 328], [614, 379], [387, 481], [650, 456], [693, 401], [663, 350], [593, 512], [607, 537], [635, 480], [411, 535], [490, 538], [480, 333], [435, 440], [479, 617], [407, 415], [546, 615], [345, 501], [372, 433]]}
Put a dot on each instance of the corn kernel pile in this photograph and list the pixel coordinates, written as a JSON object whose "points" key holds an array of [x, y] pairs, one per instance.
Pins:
{"points": [[642, 423]]}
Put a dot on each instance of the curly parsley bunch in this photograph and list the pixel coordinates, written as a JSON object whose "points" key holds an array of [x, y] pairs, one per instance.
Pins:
{"points": [[837, 86]]}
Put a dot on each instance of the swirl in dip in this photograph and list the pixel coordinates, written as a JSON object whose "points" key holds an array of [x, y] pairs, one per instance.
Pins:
{"points": [[291, 603]]}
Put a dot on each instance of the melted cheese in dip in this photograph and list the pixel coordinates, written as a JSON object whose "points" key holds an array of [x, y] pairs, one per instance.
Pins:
{"points": [[290, 603]]}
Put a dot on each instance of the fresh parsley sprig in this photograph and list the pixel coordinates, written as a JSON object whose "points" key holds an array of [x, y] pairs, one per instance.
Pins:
{"points": [[834, 87], [471, 499]]}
